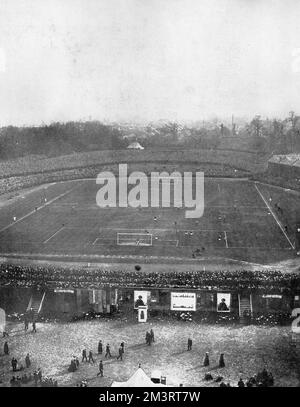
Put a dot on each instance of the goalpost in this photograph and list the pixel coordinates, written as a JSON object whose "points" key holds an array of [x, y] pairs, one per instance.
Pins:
{"points": [[134, 239]]}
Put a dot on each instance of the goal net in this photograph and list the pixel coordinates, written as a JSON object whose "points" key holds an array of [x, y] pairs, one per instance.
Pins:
{"points": [[134, 239]]}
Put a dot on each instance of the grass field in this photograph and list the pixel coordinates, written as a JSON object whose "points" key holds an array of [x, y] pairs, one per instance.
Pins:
{"points": [[238, 223], [247, 350]]}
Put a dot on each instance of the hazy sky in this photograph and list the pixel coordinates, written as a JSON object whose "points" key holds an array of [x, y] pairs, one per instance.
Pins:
{"points": [[147, 59]]}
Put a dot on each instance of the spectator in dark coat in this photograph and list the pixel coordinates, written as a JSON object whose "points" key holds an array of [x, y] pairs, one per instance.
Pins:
{"points": [[100, 369], [72, 367], [100, 347], [6, 350], [123, 347], [14, 364], [221, 361], [206, 360], [27, 361], [148, 338], [107, 351], [84, 357], [120, 356], [91, 357], [241, 383]]}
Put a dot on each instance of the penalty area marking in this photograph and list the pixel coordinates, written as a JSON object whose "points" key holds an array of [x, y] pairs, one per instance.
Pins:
{"points": [[54, 234], [99, 239], [274, 216]]}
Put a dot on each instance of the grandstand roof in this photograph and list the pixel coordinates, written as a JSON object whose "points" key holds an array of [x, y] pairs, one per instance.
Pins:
{"points": [[286, 159]]}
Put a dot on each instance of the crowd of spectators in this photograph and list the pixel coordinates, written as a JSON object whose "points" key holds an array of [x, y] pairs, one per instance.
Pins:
{"points": [[15, 183], [60, 277], [36, 164], [21, 181], [261, 379], [283, 182], [30, 380]]}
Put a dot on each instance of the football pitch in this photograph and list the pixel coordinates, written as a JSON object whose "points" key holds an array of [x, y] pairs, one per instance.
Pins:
{"points": [[63, 220]]}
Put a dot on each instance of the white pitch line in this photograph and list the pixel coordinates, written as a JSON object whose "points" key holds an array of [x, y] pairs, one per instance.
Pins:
{"points": [[66, 204], [54, 234], [225, 237], [133, 230], [95, 207], [258, 247], [101, 244], [35, 210], [274, 216], [95, 241]]}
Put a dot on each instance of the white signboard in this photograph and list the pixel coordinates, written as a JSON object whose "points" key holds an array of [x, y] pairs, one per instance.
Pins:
{"points": [[271, 296], [183, 301], [2, 320], [141, 298], [223, 302], [142, 313], [64, 291]]}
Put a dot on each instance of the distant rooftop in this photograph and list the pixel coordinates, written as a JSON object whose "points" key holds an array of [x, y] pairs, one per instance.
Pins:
{"points": [[135, 146], [286, 159]]}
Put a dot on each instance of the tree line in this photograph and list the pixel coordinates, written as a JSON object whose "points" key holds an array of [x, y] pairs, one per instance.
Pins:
{"points": [[262, 135], [58, 138]]}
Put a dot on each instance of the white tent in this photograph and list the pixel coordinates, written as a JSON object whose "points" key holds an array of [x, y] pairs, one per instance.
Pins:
{"points": [[135, 146], [138, 379]]}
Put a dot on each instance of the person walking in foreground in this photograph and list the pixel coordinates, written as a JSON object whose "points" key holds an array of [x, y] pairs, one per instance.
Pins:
{"points": [[84, 357], [107, 351], [148, 338], [14, 363], [221, 361], [120, 356], [100, 369], [206, 360], [27, 361], [100, 347], [190, 344], [91, 357], [6, 350]]}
